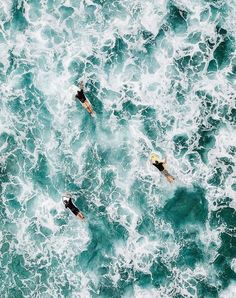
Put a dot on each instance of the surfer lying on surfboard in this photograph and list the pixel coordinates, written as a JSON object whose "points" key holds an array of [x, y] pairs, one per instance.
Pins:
{"points": [[161, 166], [69, 204], [81, 97]]}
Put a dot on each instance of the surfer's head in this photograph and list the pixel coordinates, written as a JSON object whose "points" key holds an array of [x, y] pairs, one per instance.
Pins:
{"points": [[65, 199], [154, 157]]}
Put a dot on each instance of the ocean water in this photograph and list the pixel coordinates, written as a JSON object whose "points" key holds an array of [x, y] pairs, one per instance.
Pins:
{"points": [[161, 76]]}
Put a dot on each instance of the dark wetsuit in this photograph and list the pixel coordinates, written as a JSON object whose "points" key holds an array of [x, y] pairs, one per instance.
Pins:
{"points": [[71, 206], [159, 165], [80, 95]]}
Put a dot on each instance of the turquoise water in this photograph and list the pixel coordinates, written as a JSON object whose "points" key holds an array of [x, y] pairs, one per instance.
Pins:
{"points": [[161, 76]]}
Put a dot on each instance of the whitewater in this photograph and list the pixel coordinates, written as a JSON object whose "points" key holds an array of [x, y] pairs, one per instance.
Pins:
{"points": [[161, 76]]}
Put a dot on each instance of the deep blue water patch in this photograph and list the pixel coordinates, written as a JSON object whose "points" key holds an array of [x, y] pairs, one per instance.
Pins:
{"points": [[187, 206], [181, 144], [19, 21], [177, 18], [222, 265], [224, 51], [190, 255]]}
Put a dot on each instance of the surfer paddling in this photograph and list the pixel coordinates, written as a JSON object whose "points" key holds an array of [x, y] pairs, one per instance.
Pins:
{"points": [[161, 166], [81, 97], [69, 204]]}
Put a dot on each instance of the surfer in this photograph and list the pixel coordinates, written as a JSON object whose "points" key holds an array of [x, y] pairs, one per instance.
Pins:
{"points": [[81, 97], [69, 204], [161, 165]]}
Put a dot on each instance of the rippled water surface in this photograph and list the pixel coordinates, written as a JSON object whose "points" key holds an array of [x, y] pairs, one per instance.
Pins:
{"points": [[161, 76]]}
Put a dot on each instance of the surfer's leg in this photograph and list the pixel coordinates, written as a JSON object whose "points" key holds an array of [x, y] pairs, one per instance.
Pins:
{"points": [[85, 105], [168, 176], [80, 215], [88, 107]]}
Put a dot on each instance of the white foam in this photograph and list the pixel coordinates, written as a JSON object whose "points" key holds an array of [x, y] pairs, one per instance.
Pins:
{"points": [[233, 265], [153, 15], [229, 292], [156, 89]]}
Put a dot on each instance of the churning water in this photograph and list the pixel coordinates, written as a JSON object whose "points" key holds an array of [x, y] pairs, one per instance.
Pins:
{"points": [[161, 76]]}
